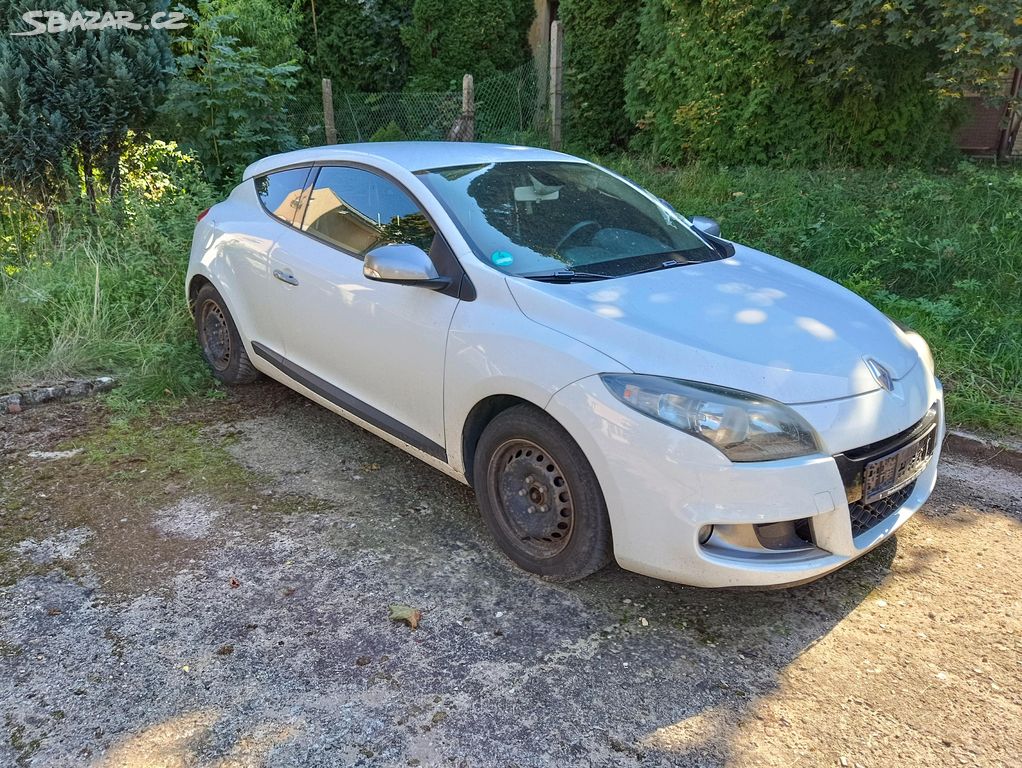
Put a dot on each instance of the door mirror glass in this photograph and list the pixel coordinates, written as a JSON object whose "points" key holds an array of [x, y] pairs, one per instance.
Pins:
{"points": [[706, 225], [402, 263]]}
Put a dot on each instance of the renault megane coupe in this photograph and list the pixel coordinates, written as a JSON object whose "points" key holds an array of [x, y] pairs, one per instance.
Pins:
{"points": [[614, 380]]}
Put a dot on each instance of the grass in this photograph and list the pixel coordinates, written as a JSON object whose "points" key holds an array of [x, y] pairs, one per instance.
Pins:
{"points": [[939, 251], [102, 293]]}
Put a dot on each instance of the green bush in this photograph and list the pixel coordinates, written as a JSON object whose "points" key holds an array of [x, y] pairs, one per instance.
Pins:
{"points": [[390, 132], [70, 99], [940, 252], [599, 41], [104, 293], [853, 44], [357, 44], [226, 104], [716, 80], [447, 39], [270, 27]]}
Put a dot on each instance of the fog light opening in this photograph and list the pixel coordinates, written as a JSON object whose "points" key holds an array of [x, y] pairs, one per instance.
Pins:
{"points": [[705, 533]]}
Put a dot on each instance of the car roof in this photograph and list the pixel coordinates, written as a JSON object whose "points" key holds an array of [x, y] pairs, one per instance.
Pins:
{"points": [[411, 155]]}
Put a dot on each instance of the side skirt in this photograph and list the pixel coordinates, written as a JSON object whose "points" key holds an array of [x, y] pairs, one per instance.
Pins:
{"points": [[351, 404]]}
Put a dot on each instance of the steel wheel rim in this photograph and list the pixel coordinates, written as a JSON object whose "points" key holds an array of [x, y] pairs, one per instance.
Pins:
{"points": [[532, 497], [216, 335]]}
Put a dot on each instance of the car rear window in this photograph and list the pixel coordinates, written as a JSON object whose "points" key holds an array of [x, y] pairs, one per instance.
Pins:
{"points": [[281, 192]]}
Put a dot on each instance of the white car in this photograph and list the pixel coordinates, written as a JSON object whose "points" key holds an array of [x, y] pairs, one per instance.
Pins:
{"points": [[613, 379]]}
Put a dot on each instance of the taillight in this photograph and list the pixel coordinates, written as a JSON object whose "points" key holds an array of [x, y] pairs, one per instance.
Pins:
{"points": [[201, 216]]}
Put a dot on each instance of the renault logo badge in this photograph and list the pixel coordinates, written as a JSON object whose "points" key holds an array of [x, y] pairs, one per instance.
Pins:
{"points": [[881, 374]]}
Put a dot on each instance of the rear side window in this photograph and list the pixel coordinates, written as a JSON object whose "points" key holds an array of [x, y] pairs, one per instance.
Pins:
{"points": [[357, 210], [281, 193]]}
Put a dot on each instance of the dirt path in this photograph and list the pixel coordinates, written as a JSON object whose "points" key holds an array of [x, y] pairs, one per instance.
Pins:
{"points": [[212, 590]]}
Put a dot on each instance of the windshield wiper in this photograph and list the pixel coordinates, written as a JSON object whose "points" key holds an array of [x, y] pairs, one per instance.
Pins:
{"points": [[668, 264], [565, 276]]}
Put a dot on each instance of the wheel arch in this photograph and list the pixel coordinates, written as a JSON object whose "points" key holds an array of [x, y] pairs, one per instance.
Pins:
{"points": [[195, 285], [481, 414]]}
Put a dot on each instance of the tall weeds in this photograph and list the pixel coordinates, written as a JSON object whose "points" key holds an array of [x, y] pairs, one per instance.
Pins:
{"points": [[104, 293]]}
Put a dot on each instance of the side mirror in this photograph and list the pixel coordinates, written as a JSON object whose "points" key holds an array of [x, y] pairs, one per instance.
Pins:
{"points": [[706, 225], [404, 264]]}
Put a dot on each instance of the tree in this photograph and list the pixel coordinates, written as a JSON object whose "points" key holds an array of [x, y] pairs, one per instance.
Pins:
{"points": [[75, 95], [225, 104], [599, 41], [849, 43], [448, 38], [357, 44], [271, 27], [849, 81]]}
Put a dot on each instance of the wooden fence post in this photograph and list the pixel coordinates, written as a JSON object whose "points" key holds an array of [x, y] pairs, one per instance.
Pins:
{"points": [[468, 108], [464, 126], [1012, 117], [556, 51], [328, 112]]}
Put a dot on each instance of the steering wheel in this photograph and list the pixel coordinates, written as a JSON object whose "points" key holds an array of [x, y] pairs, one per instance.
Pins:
{"points": [[575, 229]]}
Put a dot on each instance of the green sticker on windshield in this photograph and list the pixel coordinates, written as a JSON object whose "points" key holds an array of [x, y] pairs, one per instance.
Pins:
{"points": [[502, 258]]}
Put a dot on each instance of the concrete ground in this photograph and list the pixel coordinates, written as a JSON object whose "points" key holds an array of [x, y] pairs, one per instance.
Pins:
{"points": [[209, 586]]}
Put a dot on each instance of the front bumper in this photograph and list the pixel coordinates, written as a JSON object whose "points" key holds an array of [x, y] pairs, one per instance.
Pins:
{"points": [[662, 487]]}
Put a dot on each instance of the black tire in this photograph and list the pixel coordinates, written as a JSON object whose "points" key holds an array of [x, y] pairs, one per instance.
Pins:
{"points": [[539, 496], [219, 340]]}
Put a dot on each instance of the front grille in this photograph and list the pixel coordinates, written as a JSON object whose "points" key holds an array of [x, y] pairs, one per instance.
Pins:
{"points": [[866, 516], [852, 462]]}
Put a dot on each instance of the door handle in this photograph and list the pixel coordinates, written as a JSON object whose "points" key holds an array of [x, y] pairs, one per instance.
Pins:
{"points": [[285, 277]]}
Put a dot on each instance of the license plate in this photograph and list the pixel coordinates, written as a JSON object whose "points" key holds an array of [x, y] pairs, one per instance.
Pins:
{"points": [[893, 472]]}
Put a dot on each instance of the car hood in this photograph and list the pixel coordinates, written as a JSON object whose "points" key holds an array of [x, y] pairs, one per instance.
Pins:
{"points": [[751, 322]]}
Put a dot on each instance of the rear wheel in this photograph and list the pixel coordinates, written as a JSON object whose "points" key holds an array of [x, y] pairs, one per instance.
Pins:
{"points": [[539, 496], [219, 339]]}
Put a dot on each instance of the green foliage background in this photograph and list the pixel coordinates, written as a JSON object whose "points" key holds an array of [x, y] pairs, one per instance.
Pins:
{"points": [[73, 97], [103, 292], [448, 38], [230, 99], [715, 80], [599, 42], [358, 45]]}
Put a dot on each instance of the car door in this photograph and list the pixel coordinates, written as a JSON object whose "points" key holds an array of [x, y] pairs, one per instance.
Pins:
{"points": [[246, 238], [375, 349]]}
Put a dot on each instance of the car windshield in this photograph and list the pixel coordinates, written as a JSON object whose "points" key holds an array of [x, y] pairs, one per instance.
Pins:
{"points": [[563, 220]]}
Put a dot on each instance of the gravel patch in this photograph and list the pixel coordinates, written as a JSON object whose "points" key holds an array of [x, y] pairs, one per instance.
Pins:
{"points": [[187, 518], [64, 546], [270, 643]]}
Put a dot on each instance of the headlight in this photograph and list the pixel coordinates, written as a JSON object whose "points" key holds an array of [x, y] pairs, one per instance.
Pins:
{"points": [[742, 426]]}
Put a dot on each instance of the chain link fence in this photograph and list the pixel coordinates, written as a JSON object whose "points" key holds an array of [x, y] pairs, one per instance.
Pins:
{"points": [[304, 119], [509, 107]]}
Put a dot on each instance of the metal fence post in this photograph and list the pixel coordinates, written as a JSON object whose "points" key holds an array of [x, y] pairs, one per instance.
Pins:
{"points": [[328, 112], [556, 49]]}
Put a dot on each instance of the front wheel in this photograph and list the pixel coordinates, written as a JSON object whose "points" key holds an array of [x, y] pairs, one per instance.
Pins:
{"points": [[539, 496]]}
